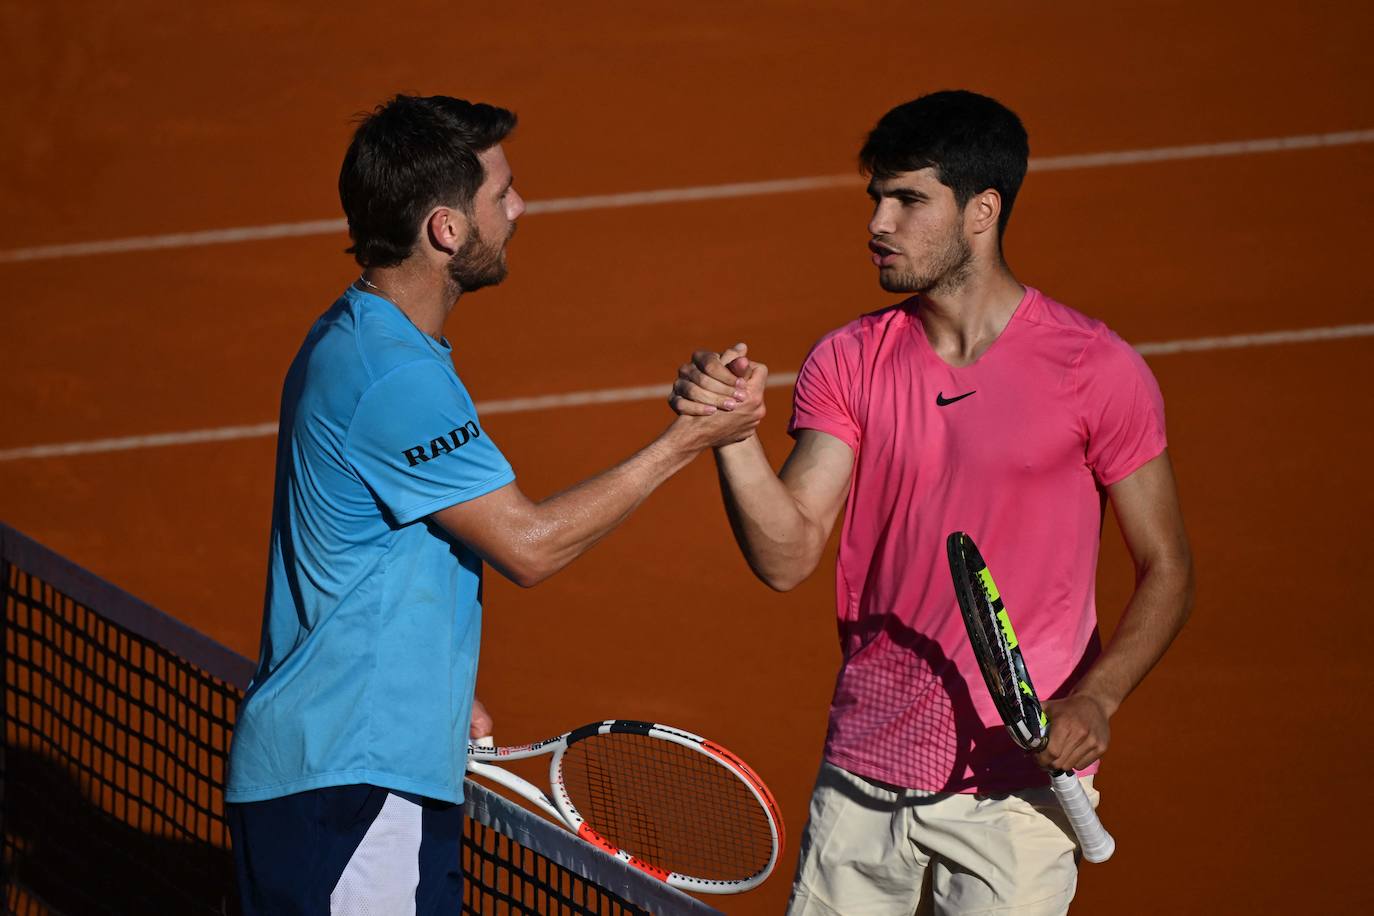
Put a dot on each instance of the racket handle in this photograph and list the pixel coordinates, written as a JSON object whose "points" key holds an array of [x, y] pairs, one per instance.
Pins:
{"points": [[1097, 844]]}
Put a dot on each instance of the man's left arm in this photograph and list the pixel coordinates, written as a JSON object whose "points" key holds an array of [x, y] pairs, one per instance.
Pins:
{"points": [[1147, 511]]}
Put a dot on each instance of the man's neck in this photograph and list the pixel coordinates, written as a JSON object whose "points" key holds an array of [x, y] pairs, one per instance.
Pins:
{"points": [[962, 323], [424, 296]]}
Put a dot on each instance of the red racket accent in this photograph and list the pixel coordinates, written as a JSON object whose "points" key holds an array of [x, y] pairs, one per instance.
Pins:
{"points": [[725, 754]]}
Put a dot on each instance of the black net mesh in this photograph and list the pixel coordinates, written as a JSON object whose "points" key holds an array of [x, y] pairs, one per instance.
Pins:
{"points": [[117, 721], [113, 761]]}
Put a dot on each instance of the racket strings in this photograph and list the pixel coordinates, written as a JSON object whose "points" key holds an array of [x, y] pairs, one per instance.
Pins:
{"points": [[671, 806]]}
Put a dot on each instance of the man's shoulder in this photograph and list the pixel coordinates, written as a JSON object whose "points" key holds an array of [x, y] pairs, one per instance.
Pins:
{"points": [[1056, 317], [386, 344], [867, 326], [1087, 336], [1092, 353], [356, 339], [350, 357]]}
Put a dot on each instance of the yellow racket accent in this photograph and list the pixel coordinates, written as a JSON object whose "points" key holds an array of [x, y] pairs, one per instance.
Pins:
{"points": [[1007, 631], [989, 585]]}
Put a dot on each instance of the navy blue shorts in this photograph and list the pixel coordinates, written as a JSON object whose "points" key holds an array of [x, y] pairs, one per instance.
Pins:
{"points": [[348, 850]]}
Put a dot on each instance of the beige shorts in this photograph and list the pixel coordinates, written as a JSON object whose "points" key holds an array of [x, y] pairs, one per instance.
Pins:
{"points": [[871, 849]]}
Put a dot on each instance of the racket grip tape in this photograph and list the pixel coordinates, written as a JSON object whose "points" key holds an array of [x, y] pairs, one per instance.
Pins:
{"points": [[1097, 844]]}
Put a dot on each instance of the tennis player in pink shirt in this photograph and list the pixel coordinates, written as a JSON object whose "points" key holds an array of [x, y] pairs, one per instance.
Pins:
{"points": [[978, 404]]}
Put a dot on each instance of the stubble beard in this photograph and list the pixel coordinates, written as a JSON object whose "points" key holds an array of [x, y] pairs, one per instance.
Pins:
{"points": [[948, 271], [478, 263]]}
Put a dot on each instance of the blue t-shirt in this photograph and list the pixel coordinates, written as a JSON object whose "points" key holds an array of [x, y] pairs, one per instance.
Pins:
{"points": [[370, 632]]}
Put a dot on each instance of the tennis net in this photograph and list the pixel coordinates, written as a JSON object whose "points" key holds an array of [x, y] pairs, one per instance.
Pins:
{"points": [[117, 720]]}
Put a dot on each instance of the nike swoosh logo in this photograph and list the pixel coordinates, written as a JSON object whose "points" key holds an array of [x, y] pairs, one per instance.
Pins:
{"points": [[942, 401]]}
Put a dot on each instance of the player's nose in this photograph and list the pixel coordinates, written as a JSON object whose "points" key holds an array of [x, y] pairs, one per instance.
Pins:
{"points": [[881, 222]]}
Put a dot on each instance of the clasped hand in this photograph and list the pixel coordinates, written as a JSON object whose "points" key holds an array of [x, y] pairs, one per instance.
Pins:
{"points": [[724, 390]]}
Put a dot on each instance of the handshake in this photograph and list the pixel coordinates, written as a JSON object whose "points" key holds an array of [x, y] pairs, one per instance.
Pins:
{"points": [[718, 397]]}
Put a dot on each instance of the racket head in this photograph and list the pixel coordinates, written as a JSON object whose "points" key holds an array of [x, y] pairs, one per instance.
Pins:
{"points": [[670, 803], [995, 645]]}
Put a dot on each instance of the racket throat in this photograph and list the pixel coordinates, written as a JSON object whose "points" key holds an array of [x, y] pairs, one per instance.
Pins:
{"points": [[591, 836]]}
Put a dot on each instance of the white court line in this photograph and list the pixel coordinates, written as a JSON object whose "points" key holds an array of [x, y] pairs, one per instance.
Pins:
{"points": [[1269, 339], [679, 195], [640, 393]]}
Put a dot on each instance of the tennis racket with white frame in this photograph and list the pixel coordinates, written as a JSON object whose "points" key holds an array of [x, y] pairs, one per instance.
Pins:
{"points": [[1004, 669], [666, 801]]}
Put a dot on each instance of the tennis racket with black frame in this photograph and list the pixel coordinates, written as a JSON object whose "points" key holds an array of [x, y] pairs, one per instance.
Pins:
{"points": [[1004, 669], [666, 801]]}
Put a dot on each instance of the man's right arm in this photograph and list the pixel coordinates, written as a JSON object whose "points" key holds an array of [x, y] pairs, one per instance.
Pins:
{"points": [[528, 541], [462, 483], [782, 521]]}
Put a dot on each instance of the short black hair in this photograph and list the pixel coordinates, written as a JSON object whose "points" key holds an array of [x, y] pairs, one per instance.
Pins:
{"points": [[973, 143], [411, 154]]}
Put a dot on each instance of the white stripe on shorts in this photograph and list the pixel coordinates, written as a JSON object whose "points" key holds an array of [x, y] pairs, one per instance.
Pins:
{"points": [[384, 872]]}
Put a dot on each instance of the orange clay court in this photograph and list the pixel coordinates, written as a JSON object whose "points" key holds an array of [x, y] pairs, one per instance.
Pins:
{"points": [[1234, 781]]}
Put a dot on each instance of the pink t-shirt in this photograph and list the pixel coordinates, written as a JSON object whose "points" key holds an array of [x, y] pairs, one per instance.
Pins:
{"points": [[1015, 450]]}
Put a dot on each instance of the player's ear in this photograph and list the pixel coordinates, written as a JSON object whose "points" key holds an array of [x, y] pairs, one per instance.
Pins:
{"points": [[447, 229], [982, 212]]}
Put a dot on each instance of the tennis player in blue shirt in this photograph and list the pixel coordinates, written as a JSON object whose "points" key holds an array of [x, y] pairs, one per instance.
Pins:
{"points": [[346, 770]]}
